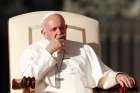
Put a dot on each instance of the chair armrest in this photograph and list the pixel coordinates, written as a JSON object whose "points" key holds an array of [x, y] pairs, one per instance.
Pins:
{"points": [[26, 83], [119, 89]]}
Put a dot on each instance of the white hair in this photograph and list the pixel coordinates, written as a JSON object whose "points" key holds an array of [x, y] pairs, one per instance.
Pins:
{"points": [[46, 16]]}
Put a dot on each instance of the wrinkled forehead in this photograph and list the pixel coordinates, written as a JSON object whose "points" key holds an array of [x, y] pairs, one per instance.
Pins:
{"points": [[52, 16]]}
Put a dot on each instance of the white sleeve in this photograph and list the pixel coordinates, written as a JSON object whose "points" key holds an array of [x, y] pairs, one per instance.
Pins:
{"points": [[108, 79], [36, 63], [103, 75]]}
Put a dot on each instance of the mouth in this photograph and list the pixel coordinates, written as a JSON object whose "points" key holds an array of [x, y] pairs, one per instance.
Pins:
{"points": [[62, 37]]}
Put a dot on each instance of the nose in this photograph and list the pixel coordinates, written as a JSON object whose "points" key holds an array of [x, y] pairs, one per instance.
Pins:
{"points": [[59, 31]]}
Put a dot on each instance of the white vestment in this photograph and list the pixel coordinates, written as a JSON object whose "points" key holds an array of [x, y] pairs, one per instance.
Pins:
{"points": [[81, 69]]}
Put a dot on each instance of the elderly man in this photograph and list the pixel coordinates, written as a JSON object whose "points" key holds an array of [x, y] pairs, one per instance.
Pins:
{"points": [[63, 66]]}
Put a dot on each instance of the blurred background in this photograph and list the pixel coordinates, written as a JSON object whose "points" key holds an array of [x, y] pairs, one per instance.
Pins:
{"points": [[119, 27]]}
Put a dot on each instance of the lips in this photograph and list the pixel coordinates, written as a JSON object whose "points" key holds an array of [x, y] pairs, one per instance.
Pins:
{"points": [[63, 37]]}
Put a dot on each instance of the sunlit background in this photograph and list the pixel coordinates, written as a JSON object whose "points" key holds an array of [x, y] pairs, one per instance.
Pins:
{"points": [[119, 28]]}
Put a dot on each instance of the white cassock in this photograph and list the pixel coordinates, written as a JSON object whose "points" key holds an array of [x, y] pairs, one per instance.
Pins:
{"points": [[81, 69]]}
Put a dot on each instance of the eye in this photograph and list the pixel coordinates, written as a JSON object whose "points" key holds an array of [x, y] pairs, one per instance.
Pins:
{"points": [[53, 29]]}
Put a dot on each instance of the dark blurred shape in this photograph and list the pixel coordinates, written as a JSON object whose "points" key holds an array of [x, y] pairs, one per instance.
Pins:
{"points": [[25, 82], [43, 4]]}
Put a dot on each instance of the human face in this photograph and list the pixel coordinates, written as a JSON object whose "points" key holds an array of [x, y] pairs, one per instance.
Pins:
{"points": [[54, 27]]}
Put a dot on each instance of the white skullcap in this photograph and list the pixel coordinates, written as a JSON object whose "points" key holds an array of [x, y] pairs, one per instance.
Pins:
{"points": [[47, 15]]}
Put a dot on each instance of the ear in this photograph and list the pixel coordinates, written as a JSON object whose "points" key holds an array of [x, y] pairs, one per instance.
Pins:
{"points": [[44, 34], [41, 31]]}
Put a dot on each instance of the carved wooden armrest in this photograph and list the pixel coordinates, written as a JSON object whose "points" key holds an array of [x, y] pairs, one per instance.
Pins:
{"points": [[26, 83], [119, 89]]}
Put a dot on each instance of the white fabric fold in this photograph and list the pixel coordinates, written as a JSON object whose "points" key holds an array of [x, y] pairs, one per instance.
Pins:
{"points": [[81, 71]]}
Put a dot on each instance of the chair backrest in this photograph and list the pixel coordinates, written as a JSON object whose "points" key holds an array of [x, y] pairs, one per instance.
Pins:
{"points": [[25, 29]]}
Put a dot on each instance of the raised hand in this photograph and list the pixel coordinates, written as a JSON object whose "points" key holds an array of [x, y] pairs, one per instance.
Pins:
{"points": [[55, 45]]}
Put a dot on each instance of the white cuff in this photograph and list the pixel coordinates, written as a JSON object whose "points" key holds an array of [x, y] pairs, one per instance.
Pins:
{"points": [[108, 80]]}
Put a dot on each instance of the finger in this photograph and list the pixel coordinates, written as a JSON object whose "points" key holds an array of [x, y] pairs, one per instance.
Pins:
{"points": [[60, 36], [123, 80], [121, 83], [59, 41], [132, 81], [63, 36], [62, 41], [129, 82]]}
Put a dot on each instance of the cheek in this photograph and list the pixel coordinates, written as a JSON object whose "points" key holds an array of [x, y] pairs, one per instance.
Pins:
{"points": [[51, 35]]}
